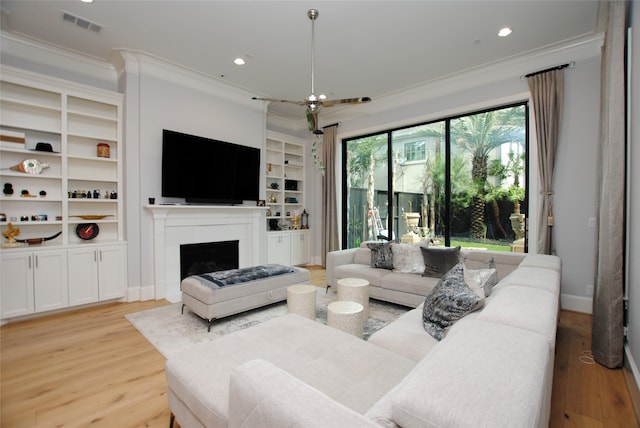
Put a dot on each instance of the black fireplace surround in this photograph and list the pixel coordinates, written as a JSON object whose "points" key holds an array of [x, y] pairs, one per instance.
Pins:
{"points": [[208, 257]]}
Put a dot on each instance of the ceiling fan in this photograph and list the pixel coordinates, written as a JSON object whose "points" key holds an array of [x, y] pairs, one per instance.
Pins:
{"points": [[313, 102]]}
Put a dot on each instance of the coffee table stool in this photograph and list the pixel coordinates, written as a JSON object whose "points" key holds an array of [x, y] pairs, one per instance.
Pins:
{"points": [[346, 316], [301, 300], [355, 290]]}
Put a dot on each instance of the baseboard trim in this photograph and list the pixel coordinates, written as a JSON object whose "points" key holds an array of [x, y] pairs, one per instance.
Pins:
{"points": [[632, 378], [135, 294], [576, 303]]}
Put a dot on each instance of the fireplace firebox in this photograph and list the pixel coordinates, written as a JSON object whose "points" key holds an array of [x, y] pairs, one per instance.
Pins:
{"points": [[207, 257]]}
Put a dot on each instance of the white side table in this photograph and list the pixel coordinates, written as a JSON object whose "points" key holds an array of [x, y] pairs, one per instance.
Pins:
{"points": [[355, 290], [346, 316], [301, 300]]}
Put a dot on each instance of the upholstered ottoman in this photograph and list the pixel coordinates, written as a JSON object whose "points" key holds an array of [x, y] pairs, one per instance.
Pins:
{"points": [[212, 301], [301, 300]]}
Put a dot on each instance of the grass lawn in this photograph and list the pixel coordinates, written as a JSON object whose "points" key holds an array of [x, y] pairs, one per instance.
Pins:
{"points": [[484, 245]]}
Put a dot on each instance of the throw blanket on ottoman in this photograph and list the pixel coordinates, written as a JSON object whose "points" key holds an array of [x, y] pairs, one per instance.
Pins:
{"points": [[238, 276]]}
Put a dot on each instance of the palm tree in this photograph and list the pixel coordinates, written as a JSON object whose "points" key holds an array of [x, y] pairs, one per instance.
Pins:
{"points": [[479, 135]]}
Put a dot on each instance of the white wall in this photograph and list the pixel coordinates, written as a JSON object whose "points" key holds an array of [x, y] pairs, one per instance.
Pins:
{"points": [[159, 96]]}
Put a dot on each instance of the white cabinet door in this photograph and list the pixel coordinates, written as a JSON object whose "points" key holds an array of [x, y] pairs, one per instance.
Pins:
{"points": [[278, 248], [111, 272], [300, 247], [83, 276], [50, 280], [16, 294]]}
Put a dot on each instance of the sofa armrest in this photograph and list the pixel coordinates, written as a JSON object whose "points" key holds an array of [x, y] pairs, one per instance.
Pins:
{"points": [[338, 258], [261, 394]]}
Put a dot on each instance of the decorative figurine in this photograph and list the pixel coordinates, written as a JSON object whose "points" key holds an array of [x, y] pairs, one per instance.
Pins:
{"points": [[30, 166], [10, 234], [7, 189]]}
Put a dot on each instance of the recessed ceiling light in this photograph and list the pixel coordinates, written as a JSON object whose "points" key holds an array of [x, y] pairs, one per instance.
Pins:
{"points": [[504, 32], [86, 1], [239, 61]]}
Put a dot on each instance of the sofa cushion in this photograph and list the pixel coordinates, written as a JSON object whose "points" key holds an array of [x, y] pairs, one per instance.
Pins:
{"points": [[381, 255], [450, 300], [409, 283], [529, 308], [407, 258], [362, 256], [504, 262], [439, 260], [405, 336], [482, 375], [350, 370], [546, 279], [373, 275]]}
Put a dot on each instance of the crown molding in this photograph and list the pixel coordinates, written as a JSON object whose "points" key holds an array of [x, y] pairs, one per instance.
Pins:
{"points": [[142, 63], [511, 68], [55, 60]]}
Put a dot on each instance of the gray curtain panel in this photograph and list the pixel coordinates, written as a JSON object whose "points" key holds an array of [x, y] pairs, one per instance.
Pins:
{"points": [[608, 311], [330, 240], [547, 94]]}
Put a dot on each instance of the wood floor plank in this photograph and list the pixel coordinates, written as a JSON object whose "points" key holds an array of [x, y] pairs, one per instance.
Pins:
{"points": [[91, 367]]}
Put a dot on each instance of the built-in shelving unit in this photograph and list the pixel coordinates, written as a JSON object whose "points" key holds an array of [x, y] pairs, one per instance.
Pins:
{"points": [[80, 185], [285, 180]]}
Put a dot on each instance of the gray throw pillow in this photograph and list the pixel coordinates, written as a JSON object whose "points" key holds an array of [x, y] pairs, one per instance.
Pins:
{"points": [[438, 261], [450, 300], [381, 255]]}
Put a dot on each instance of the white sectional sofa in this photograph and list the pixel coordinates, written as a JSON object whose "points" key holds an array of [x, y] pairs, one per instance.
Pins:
{"points": [[494, 367]]}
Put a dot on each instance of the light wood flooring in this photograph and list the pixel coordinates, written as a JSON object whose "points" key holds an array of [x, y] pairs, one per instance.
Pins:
{"points": [[91, 367]]}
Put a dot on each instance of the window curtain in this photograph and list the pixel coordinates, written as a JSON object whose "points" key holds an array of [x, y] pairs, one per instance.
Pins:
{"points": [[608, 312], [547, 93], [330, 240]]}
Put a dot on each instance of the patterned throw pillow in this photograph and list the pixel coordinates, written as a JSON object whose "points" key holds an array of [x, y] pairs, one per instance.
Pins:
{"points": [[438, 261], [381, 255], [450, 300], [407, 258]]}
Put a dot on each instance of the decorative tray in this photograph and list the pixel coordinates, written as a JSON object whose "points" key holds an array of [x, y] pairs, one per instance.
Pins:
{"points": [[92, 216]]}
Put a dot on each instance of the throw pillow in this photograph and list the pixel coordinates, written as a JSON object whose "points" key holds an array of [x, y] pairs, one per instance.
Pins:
{"points": [[483, 279], [450, 300], [438, 261], [407, 258], [381, 255]]}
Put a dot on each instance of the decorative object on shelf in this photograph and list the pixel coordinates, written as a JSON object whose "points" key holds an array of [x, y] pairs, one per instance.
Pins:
{"points": [[273, 224], [38, 241], [284, 224], [87, 231], [152, 201], [3, 217], [261, 203], [274, 185], [305, 219], [295, 225], [43, 147], [104, 151], [7, 189], [269, 167], [273, 199], [30, 166], [290, 200], [24, 193], [10, 234], [290, 185], [268, 212], [42, 193], [92, 216], [12, 138]]}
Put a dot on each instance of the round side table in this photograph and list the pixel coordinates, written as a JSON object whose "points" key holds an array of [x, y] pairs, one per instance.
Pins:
{"points": [[355, 290], [346, 316], [301, 300]]}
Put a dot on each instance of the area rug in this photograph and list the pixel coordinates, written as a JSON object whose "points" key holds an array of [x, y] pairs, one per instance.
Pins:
{"points": [[169, 331]]}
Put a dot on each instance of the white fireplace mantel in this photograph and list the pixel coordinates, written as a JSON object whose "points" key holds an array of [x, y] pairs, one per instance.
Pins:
{"points": [[175, 225]]}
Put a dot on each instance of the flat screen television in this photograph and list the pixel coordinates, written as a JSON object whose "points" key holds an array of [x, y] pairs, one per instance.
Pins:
{"points": [[208, 171]]}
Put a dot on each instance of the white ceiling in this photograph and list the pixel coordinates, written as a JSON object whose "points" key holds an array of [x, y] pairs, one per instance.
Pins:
{"points": [[363, 48]]}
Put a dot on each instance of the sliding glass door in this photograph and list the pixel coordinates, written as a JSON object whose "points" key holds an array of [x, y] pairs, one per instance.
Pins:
{"points": [[457, 181]]}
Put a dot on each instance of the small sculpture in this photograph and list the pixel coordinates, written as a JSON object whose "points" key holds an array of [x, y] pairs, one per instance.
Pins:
{"points": [[7, 189], [30, 166], [10, 234]]}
